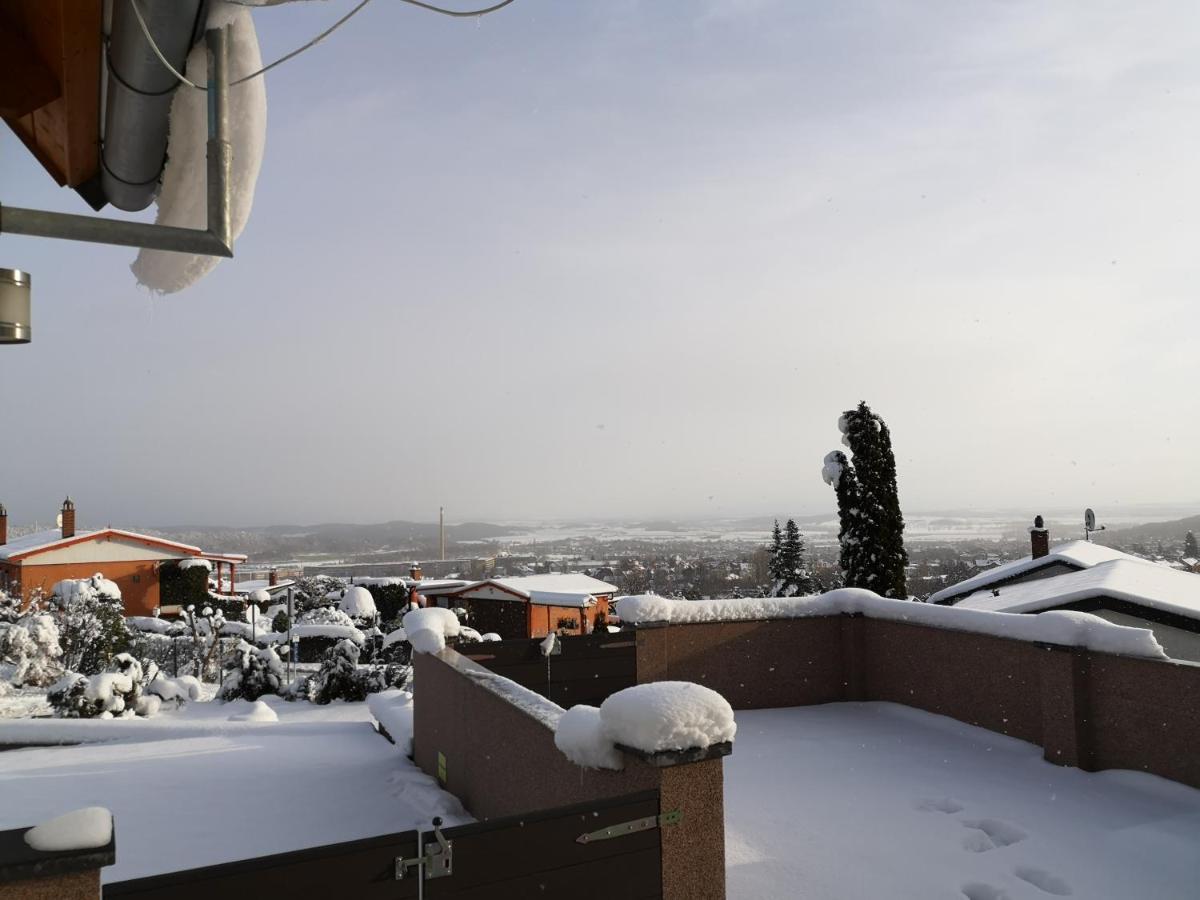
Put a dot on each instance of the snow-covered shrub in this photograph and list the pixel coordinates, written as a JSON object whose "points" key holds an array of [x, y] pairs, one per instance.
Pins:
{"points": [[32, 648], [10, 608], [251, 672], [173, 690], [325, 615], [91, 622], [314, 591], [342, 678], [204, 637], [184, 583], [359, 605], [391, 600], [280, 623], [114, 692]]}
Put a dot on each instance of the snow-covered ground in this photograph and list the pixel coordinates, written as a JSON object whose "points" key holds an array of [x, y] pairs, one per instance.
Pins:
{"points": [[195, 789], [878, 800]]}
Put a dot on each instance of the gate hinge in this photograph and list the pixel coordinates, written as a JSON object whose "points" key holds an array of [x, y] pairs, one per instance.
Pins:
{"points": [[644, 824], [436, 860]]}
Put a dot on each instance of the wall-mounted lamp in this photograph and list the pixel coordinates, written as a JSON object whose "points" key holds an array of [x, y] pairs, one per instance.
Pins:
{"points": [[14, 307]]}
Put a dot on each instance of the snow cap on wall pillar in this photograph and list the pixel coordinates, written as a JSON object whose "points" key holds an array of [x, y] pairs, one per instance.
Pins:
{"points": [[1039, 538], [68, 518]]}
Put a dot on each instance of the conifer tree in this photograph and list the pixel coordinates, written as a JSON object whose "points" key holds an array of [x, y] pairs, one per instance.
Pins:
{"points": [[1190, 548], [773, 558], [872, 532], [794, 580]]}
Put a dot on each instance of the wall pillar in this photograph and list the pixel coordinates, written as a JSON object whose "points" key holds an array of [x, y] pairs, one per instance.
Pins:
{"points": [[1066, 729], [28, 874]]}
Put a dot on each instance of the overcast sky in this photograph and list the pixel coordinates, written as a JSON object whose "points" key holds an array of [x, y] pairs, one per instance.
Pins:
{"points": [[622, 258]]}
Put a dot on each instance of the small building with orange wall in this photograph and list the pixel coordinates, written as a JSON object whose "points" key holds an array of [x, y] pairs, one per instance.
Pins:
{"points": [[534, 605], [40, 560]]}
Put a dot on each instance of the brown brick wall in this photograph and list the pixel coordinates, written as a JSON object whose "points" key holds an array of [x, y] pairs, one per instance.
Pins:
{"points": [[1086, 709]]}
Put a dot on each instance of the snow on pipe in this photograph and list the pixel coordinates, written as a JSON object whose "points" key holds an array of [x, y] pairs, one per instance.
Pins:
{"points": [[138, 92], [214, 241]]}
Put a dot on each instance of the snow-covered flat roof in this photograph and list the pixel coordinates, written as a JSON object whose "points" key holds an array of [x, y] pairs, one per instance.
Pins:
{"points": [[550, 598], [262, 584], [1080, 554], [320, 775], [39, 541], [876, 800], [1155, 587], [573, 583]]}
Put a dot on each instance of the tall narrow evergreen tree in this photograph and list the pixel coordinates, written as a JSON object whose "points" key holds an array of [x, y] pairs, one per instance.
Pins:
{"points": [[872, 534], [1190, 548], [773, 556], [794, 580]]}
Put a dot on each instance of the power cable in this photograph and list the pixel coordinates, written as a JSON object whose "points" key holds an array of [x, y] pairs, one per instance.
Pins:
{"points": [[320, 37]]}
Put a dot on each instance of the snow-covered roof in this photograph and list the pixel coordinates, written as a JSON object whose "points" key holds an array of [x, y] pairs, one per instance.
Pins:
{"points": [[40, 541], [573, 583], [551, 598], [262, 584], [1155, 587], [1078, 554]]}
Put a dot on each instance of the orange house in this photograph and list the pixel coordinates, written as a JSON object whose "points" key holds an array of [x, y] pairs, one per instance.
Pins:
{"points": [[534, 605], [132, 560]]}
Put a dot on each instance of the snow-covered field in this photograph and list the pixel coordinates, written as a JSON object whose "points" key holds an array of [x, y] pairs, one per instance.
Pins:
{"points": [[194, 789], [877, 800]]}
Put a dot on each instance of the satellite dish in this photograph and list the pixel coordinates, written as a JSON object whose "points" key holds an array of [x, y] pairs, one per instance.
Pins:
{"points": [[1089, 520]]}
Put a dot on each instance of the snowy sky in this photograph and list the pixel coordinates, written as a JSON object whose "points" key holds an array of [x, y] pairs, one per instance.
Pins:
{"points": [[634, 257]]}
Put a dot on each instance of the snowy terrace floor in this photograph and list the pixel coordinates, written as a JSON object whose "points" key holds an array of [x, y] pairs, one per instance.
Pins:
{"points": [[877, 800], [194, 789]]}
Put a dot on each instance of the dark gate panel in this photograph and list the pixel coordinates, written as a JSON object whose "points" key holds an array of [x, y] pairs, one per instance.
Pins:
{"points": [[538, 855], [354, 869], [588, 668]]}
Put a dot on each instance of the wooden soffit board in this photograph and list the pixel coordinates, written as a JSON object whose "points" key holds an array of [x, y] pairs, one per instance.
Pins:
{"points": [[50, 82]]}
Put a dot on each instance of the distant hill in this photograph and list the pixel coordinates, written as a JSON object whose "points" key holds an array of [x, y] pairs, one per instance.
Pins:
{"points": [[416, 539], [1173, 530]]}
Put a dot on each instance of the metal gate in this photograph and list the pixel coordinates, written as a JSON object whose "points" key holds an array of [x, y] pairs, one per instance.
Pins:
{"points": [[593, 851]]}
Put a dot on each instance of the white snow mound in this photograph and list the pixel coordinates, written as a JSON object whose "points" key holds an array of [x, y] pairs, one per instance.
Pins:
{"points": [[357, 602], [82, 829], [667, 715], [255, 712], [428, 628], [183, 199], [581, 737]]}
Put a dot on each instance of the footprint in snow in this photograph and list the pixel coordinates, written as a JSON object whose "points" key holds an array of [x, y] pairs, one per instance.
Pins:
{"points": [[979, 891], [988, 834], [1044, 881], [941, 804]]}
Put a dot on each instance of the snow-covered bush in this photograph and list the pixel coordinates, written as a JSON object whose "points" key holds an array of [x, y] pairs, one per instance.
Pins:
{"points": [[359, 605], [204, 632], [280, 623], [31, 647], [325, 615], [114, 692], [251, 672], [91, 622], [184, 583], [342, 678], [10, 608], [314, 591]]}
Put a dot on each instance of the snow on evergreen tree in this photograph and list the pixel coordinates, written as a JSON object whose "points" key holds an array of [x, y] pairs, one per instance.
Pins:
{"points": [[342, 678], [10, 607], [793, 578], [91, 623], [773, 556], [31, 650], [251, 672], [117, 691], [840, 475], [872, 532], [1190, 548]]}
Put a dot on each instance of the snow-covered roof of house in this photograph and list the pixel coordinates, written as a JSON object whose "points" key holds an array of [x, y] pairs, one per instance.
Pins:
{"points": [[262, 584], [1078, 554], [553, 598], [573, 583], [1132, 580], [41, 541]]}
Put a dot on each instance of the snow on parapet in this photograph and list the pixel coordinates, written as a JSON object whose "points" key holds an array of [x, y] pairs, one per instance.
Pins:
{"points": [[82, 829], [428, 628], [667, 715], [652, 718], [1057, 627]]}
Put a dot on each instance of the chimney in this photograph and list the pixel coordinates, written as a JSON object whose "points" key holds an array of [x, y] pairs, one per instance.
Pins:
{"points": [[68, 518], [1039, 538], [272, 577], [414, 572], [3, 525]]}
